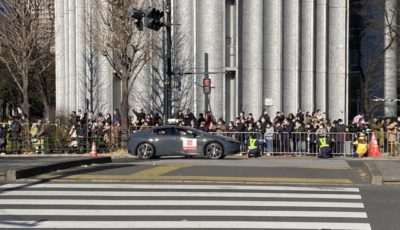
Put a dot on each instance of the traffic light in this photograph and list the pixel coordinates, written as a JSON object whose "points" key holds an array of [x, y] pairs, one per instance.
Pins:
{"points": [[206, 85], [138, 15], [152, 19]]}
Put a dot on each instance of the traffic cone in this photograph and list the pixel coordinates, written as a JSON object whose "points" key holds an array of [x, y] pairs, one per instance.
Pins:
{"points": [[93, 153], [373, 149]]}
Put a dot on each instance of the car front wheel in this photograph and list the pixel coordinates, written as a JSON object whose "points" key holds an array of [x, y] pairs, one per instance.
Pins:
{"points": [[145, 151], [214, 151]]}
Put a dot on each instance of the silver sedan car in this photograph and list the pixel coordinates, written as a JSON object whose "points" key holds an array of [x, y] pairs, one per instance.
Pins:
{"points": [[179, 140]]}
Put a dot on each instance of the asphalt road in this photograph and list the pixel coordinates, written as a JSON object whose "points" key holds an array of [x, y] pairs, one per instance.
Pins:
{"points": [[279, 194], [173, 205]]}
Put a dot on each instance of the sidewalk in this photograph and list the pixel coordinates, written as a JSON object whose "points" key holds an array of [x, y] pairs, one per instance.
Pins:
{"points": [[384, 170]]}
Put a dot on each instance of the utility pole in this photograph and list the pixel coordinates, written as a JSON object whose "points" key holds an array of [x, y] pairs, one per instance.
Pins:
{"points": [[167, 63], [206, 98]]}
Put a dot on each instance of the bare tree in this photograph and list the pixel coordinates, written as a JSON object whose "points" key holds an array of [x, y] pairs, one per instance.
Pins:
{"points": [[126, 49], [26, 42], [378, 34]]}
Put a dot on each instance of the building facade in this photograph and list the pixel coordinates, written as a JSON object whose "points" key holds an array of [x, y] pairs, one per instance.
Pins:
{"points": [[279, 55]]}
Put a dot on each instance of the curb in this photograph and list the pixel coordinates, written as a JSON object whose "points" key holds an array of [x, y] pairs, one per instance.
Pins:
{"points": [[15, 174], [375, 174]]}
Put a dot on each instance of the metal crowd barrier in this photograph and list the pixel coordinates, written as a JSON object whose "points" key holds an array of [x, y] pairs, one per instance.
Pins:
{"points": [[296, 143], [48, 145], [304, 143]]}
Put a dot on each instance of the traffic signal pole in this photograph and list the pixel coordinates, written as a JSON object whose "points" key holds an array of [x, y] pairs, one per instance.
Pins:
{"points": [[167, 63], [206, 98]]}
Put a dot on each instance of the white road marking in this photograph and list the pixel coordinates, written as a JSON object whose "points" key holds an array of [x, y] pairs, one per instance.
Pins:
{"points": [[180, 203], [172, 212], [183, 225], [181, 186], [178, 194]]}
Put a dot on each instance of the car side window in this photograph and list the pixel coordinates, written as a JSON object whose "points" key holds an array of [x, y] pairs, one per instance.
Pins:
{"points": [[160, 132], [186, 133]]}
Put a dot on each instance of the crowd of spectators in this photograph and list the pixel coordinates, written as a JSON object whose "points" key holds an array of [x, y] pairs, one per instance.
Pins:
{"points": [[107, 127]]}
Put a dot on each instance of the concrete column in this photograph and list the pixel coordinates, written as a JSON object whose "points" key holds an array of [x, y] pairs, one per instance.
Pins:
{"points": [[337, 29], [81, 88], [183, 13], [251, 55], [272, 54], [307, 55], [390, 62], [72, 54], [59, 55], [320, 54], [290, 56], [66, 82], [210, 39]]}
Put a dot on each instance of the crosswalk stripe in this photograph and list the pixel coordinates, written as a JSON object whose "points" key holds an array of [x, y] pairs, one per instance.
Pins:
{"points": [[180, 203], [180, 206], [174, 186], [183, 225], [179, 194], [172, 212]]}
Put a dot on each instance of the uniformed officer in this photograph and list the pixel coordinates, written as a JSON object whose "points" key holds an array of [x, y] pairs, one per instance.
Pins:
{"points": [[252, 148], [325, 150]]}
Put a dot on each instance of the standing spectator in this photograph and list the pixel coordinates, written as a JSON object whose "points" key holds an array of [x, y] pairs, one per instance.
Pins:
{"points": [[269, 137], [392, 137], [108, 119], [265, 116], [286, 132], [180, 116], [209, 118], [231, 129], [298, 136], [139, 116], [116, 120], [193, 124], [311, 138], [221, 126], [15, 129], [3, 138], [357, 118], [203, 127], [279, 117], [201, 119], [300, 115], [188, 117]]}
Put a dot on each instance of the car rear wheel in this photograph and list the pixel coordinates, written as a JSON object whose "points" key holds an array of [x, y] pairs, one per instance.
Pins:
{"points": [[214, 151], [145, 151]]}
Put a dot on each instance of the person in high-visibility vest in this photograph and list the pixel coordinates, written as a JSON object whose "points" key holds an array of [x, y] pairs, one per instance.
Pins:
{"points": [[325, 150], [361, 145], [252, 147]]}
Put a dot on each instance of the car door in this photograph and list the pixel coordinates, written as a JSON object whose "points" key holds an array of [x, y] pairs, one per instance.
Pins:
{"points": [[187, 141], [163, 140]]}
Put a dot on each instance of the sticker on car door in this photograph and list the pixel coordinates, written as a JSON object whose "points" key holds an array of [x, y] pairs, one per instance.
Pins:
{"points": [[189, 144]]}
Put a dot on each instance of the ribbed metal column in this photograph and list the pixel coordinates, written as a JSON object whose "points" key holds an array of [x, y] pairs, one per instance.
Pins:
{"points": [[66, 99], [390, 63], [337, 58], [72, 54], [272, 54], [59, 55], [307, 55], [183, 42], [290, 56], [210, 39], [251, 54], [320, 54], [81, 55]]}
